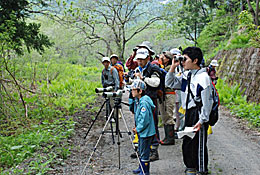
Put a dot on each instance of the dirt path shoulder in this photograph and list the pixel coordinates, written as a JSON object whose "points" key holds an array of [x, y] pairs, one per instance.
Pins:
{"points": [[233, 150]]}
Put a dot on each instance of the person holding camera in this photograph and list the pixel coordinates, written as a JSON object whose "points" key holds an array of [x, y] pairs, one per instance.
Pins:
{"points": [[131, 64], [144, 125], [150, 74], [195, 85]]}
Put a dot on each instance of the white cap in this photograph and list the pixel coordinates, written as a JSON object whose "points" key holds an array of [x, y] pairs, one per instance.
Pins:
{"points": [[175, 51], [105, 59], [214, 63], [142, 53], [114, 55]]}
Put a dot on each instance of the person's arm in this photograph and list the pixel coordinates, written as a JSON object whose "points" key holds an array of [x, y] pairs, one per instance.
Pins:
{"points": [[171, 80], [130, 63], [207, 103], [102, 79], [116, 79], [154, 81], [142, 118]]}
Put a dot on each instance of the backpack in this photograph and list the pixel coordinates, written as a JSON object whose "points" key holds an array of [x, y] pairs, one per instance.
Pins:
{"points": [[120, 71], [213, 116], [160, 90]]}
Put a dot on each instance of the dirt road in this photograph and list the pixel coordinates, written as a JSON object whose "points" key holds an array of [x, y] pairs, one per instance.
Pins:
{"points": [[233, 150]]}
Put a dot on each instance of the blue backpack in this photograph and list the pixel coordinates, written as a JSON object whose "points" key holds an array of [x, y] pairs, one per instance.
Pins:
{"points": [[213, 116]]}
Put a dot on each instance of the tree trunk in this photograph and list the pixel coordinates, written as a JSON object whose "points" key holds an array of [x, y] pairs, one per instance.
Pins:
{"points": [[254, 13]]}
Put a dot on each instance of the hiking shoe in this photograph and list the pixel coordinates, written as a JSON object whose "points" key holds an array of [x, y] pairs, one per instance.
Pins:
{"points": [[134, 156], [154, 155], [190, 171], [202, 173]]}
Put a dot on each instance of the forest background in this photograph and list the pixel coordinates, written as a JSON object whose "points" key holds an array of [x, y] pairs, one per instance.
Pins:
{"points": [[50, 62]]}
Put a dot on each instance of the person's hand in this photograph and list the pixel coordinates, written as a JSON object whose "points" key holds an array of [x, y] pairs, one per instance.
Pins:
{"points": [[139, 75], [197, 126], [134, 130], [174, 65], [175, 62]]}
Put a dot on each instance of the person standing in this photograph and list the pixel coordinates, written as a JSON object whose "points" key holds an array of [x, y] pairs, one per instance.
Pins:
{"points": [[167, 103], [109, 75], [195, 85], [132, 64], [119, 68], [144, 125], [150, 74], [212, 71]]}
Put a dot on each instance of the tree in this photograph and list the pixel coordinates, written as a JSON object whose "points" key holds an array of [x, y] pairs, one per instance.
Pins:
{"points": [[15, 33], [186, 18], [255, 13], [113, 23]]}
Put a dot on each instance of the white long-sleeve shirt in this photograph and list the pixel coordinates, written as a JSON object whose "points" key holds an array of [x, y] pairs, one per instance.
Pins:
{"points": [[200, 86]]}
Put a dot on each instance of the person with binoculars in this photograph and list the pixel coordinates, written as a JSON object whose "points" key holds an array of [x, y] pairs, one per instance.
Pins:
{"points": [[150, 74], [197, 100]]}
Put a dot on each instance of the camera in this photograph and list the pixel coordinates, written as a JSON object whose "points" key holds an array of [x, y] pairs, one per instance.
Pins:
{"points": [[107, 89], [178, 58], [131, 74], [135, 49], [118, 93]]}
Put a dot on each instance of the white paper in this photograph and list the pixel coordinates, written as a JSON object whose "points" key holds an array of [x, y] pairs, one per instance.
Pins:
{"points": [[188, 131]]}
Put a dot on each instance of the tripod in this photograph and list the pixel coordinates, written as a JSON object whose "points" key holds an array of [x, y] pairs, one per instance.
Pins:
{"points": [[108, 109], [117, 109]]}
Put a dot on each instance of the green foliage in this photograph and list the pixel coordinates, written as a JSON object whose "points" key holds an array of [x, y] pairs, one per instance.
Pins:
{"points": [[231, 96], [217, 32], [249, 28], [45, 128], [16, 31]]}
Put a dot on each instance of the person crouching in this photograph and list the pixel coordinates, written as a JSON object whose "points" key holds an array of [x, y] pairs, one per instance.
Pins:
{"points": [[145, 127]]}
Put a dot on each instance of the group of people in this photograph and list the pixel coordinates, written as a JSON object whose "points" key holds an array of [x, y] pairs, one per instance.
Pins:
{"points": [[170, 84]]}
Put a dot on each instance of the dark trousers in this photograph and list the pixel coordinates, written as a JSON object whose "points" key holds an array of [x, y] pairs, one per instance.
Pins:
{"points": [[144, 144], [195, 152], [156, 138]]}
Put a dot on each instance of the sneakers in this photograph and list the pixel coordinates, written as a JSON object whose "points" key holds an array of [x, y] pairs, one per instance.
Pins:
{"points": [[154, 155], [190, 171], [134, 156]]}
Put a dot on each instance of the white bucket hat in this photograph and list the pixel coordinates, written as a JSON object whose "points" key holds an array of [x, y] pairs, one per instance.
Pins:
{"points": [[148, 46], [214, 63]]}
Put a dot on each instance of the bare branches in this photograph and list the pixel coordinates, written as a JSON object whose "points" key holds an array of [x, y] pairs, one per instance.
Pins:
{"points": [[118, 19]]}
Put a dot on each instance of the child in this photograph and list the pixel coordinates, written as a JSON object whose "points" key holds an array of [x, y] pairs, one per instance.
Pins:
{"points": [[145, 127]]}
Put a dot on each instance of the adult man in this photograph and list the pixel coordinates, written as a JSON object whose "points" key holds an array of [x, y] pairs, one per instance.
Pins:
{"points": [[167, 104], [150, 74], [131, 64], [197, 101], [109, 75]]}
